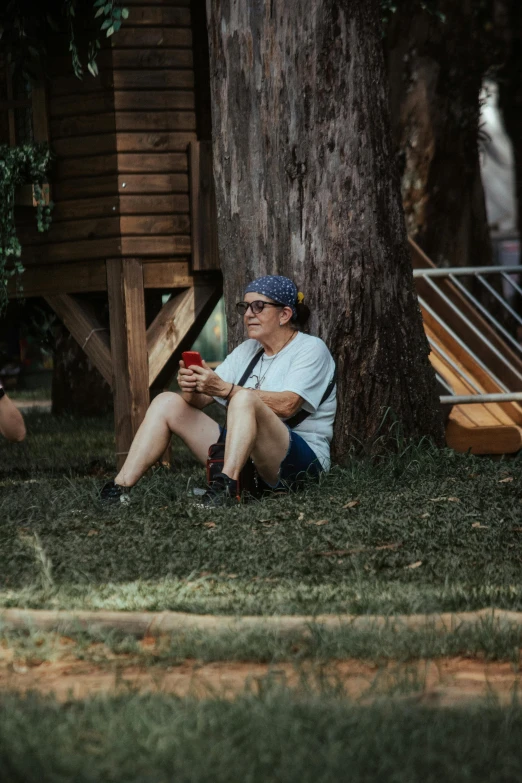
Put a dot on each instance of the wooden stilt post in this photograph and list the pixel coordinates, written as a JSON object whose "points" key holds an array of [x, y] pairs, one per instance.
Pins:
{"points": [[130, 370]]}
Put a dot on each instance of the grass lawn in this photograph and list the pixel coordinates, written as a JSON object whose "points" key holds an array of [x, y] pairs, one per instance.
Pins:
{"points": [[421, 531], [259, 739]]}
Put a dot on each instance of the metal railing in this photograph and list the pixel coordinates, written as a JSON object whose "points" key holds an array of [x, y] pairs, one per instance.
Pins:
{"points": [[478, 273]]}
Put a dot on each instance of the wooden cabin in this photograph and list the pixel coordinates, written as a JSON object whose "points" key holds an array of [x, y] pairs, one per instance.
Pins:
{"points": [[132, 189]]}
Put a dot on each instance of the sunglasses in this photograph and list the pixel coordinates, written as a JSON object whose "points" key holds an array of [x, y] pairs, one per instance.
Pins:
{"points": [[257, 307]]}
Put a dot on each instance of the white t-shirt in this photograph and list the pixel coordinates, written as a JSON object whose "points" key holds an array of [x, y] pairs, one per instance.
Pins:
{"points": [[305, 367]]}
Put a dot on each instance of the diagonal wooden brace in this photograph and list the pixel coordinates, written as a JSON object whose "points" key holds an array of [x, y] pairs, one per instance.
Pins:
{"points": [[173, 323], [86, 330]]}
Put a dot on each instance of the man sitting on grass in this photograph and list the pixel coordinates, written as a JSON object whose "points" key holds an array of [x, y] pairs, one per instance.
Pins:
{"points": [[12, 424]]}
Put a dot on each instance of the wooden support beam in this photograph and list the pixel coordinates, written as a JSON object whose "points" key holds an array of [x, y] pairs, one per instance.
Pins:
{"points": [[203, 208], [164, 379], [128, 349], [173, 323], [83, 276], [86, 330]]}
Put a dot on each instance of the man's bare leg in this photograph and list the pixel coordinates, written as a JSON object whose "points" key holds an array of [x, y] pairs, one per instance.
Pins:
{"points": [[253, 430], [168, 414]]}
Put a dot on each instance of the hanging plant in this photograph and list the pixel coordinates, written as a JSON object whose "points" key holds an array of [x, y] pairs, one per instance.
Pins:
{"points": [[25, 27], [27, 164]]}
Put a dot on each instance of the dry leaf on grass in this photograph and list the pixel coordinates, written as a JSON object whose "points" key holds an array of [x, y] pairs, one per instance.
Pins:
{"points": [[351, 504], [209, 524], [317, 522], [92, 532], [425, 516], [516, 529], [451, 500], [506, 480], [393, 546], [300, 517], [480, 525], [414, 565]]}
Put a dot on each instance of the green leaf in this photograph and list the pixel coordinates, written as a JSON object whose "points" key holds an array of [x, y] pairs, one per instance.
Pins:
{"points": [[98, 13], [125, 13], [116, 25], [98, 3], [105, 24], [92, 67], [116, 14], [108, 8], [110, 31]]}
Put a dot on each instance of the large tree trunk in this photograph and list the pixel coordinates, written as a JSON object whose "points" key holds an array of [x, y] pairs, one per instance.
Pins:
{"points": [[304, 167], [436, 70]]}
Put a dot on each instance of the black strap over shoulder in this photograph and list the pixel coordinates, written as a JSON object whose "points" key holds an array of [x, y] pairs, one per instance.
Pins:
{"points": [[250, 367], [299, 417]]}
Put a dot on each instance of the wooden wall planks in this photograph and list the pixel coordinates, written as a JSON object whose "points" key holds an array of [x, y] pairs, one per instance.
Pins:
{"points": [[120, 181], [160, 15], [95, 144], [81, 125], [154, 98], [79, 277], [144, 37], [128, 205]]}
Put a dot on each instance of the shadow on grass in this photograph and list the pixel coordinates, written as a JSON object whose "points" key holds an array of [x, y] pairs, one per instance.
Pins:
{"points": [[272, 736]]}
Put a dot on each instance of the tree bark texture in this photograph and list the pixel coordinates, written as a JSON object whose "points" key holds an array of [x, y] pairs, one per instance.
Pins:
{"points": [[303, 168], [436, 70]]}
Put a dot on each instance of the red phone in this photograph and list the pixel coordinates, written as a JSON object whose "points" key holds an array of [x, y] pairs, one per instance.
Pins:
{"points": [[192, 357]]}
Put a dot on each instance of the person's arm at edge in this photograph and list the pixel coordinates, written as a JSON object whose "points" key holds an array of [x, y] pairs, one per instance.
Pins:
{"points": [[12, 425]]}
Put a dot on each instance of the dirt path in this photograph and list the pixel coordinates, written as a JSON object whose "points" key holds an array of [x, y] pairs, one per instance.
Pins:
{"points": [[439, 682]]}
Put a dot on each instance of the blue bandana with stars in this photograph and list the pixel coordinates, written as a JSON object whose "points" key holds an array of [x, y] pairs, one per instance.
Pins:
{"points": [[280, 289]]}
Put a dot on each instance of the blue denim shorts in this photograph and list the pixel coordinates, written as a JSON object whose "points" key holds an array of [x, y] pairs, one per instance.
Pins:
{"points": [[299, 464]]}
